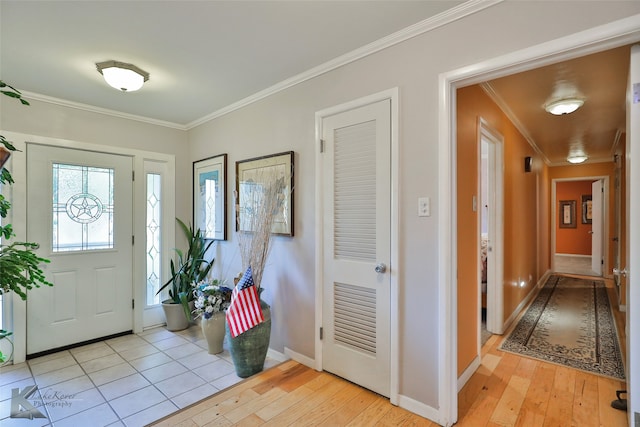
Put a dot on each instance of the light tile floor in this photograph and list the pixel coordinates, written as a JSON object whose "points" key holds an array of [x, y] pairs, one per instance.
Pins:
{"points": [[126, 381]]}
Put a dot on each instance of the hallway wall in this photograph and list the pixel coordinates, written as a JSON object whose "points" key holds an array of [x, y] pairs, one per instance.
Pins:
{"points": [[521, 250]]}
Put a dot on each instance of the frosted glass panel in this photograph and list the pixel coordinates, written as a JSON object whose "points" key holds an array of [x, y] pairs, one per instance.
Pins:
{"points": [[153, 237], [83, 208]]}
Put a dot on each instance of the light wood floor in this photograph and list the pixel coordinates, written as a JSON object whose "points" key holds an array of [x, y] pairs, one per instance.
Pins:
{"points": [[507, 390], [293, 394]]}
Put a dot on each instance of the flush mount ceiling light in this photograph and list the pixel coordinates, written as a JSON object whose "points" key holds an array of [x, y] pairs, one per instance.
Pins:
{"points": [[576, 158], [122, 76], [564, 106]]}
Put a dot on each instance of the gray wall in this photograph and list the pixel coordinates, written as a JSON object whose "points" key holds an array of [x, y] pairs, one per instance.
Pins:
{"points": [[285, 121]]}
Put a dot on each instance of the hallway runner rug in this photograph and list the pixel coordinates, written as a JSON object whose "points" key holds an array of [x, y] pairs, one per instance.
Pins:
{"points": [[570, 323]]}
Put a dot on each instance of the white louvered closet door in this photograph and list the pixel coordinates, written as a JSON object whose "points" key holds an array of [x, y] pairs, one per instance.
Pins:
{"points": [[356, 271]]}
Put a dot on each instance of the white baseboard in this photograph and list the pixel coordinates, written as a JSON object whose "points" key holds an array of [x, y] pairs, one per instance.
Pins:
{"points": [[300, 358], [419, 408], [534, 292], [471, 369], [280, 357]]}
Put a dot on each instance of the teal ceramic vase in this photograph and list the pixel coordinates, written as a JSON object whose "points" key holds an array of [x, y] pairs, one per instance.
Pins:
{"points": [[249, 349]]}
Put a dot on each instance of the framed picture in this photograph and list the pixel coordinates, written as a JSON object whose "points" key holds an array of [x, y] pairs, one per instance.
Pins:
{"points": [[567, 214], [252, 177], [586, 209], [209, 197]]}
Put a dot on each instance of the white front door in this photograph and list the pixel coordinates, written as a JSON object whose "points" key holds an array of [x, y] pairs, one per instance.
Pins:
{"points": [[356, 170], [596, 227], [79, 209]]}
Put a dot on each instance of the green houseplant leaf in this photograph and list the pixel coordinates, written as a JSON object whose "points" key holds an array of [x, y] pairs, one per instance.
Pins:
{"points": [[19, 265], [189, 268]]}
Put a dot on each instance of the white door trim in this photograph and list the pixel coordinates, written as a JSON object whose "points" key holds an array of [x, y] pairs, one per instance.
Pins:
{"points": [[495, 270], [19, 218], [605, 218], [608, 36], [393, 95]]}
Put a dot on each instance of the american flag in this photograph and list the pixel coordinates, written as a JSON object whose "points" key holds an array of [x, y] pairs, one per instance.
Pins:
{"points": [[244, 312]]}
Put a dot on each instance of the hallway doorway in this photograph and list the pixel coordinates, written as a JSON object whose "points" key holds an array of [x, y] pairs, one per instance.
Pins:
{"points": [[579, 234], [459, 205]]}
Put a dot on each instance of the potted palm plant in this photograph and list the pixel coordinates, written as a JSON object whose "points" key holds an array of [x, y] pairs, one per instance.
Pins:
{"points": [[190, 268]]}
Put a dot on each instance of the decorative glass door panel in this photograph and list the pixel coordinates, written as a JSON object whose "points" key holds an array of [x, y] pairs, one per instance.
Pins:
{"points": [[154, 221], [83, 207]]}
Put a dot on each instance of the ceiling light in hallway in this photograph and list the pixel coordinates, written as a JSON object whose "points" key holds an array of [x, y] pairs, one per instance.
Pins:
{"points": [[564, 106]]}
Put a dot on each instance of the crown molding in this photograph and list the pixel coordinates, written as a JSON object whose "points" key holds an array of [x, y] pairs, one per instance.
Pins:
{"points": [[488, 89], [451, 15], [93, 109]]}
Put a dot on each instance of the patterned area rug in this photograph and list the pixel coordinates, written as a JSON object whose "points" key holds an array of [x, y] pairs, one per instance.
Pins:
{"points": [[570, 323]]}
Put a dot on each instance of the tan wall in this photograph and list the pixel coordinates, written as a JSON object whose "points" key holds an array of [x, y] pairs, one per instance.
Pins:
{"points": [[521, 271], [573, 240]]}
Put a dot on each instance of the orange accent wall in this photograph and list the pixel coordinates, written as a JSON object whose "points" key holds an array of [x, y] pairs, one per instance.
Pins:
{"points": [[575, 241], [590, 170], [526, 254]]}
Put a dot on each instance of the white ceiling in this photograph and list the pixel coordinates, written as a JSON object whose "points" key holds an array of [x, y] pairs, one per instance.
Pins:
{"points": [[202, 56]]}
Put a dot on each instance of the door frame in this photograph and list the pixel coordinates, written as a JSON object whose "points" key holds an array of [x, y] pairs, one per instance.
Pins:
{"points": [[394, 273], [605, 218], [495, 220], [604, 37], [18, 313]]}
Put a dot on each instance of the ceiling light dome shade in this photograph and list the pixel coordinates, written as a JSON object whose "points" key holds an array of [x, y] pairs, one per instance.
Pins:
{"points": [[564, 106], [577, 158], [122, 76]]}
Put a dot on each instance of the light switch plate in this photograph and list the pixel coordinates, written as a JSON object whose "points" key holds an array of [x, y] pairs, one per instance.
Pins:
{"points": [[424, 206]]}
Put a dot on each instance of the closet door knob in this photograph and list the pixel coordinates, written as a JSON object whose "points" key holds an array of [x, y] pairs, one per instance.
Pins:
{"points": [[381, 268]]}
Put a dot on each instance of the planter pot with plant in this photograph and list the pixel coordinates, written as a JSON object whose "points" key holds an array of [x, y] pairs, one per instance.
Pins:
{"points": [[211, 300], [190, 267]]}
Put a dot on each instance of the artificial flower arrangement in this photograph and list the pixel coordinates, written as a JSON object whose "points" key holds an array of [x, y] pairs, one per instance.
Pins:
{"points": [[211, 297]]}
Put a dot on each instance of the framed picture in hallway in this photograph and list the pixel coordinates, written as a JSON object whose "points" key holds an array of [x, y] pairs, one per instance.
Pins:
{"points": [[567, 214], [586, 208], [255, 179]]}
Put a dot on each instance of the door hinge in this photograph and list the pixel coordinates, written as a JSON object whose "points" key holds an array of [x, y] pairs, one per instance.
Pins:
{"points": [[322, 145], [133, 304], [133, 175], [321, 333], [133, 240], [602, 261]]}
